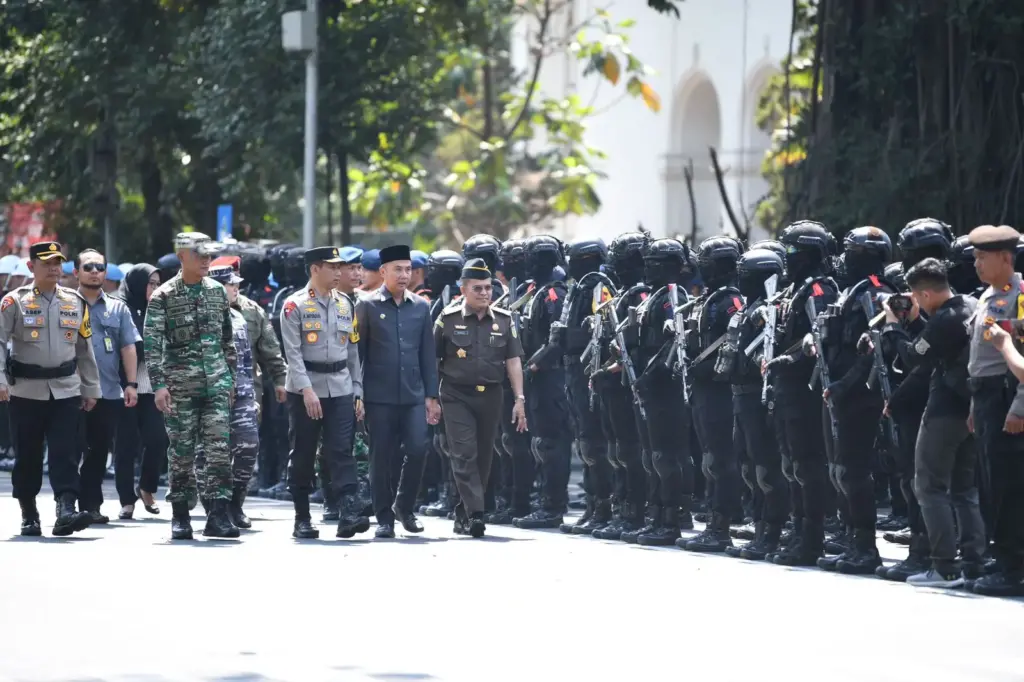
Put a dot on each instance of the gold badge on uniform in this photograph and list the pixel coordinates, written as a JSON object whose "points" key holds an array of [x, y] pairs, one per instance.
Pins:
{"points": [[311, 310], [318, 325], [34, 334], [1000, 303], [461, 353], [382, 316], [495, 326], [308, 325], [68, 335], [312, 337]]}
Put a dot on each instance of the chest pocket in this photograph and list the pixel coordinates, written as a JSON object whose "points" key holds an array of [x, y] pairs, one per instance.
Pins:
{"points": [[314, 329], [497, 339], [181, 324], [33, 324], [462, 338]]}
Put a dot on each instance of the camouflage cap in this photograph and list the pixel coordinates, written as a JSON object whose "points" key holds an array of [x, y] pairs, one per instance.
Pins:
{"points": [[198, 242]]}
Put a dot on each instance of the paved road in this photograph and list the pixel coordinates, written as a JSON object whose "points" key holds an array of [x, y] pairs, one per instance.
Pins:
{"points": [[519, 605]]}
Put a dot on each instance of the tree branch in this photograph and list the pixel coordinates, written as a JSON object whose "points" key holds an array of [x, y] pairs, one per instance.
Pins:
{"points": [[541, 31]]}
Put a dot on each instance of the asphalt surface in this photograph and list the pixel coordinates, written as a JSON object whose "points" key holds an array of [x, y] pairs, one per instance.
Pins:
{"points": [[122, 602]]}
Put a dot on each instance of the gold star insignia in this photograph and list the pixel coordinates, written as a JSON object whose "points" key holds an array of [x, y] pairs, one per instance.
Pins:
{"points": [[461, 353]]}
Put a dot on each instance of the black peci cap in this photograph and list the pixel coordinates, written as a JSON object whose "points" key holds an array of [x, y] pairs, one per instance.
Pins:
{"points": [[392, 253]]}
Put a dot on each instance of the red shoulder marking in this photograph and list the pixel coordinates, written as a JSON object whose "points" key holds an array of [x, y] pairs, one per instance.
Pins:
{"points": [[289, 307], [816, 290], [552, 296], [874, 281], [643, 295], [7, 302]]}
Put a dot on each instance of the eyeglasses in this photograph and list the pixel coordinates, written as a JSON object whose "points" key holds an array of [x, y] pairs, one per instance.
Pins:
{"points": [[94, 267], [482, 289]]}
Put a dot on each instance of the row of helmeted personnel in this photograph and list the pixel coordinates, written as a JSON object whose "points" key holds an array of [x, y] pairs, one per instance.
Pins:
{"points": [[792, 374]]}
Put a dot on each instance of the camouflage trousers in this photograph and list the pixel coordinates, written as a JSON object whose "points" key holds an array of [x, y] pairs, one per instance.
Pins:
{"points": [[198, 424], [243, 445]]}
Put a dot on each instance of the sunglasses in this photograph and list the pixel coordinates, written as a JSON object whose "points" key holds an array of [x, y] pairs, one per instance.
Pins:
{"points": [[94, 267], [481, 289]]}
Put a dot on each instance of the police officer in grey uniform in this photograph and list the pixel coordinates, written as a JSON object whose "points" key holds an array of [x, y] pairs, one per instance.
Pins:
{"points": [[51, 374], [997, 407], [319, 334]]}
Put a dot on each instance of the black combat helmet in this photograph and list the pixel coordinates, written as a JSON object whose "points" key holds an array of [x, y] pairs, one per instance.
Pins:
{"points": [[443, 270], [295, 266], [626, 257], [868, 250], [716, 259], [254, 265], [771, 245], [807, 249], [665, 262], [543, 254], [963, 276], [894, 273], [924, 238], [278, 255], [483, 246], [513, 259], [754, 268], [585, 256]]}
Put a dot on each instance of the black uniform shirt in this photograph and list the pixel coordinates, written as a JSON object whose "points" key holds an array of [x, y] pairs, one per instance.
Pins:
{"points": [[472, 349]]}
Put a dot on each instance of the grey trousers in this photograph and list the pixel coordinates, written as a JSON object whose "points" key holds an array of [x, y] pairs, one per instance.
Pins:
{"points": [[944, 480]]}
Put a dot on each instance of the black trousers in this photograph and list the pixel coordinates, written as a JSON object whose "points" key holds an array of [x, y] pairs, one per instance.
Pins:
{"points": [[140, 435], [274, 440], [591, 443], [668, 428], [547, 410], [97, 430], [799, 414], [620, 410], [471, 422], [755, 430], [336, 431], [398, 441], [858, 416], [519, 460], [5, 429], [1003, 454], [909, 426], [712, 416], [53, 423]]}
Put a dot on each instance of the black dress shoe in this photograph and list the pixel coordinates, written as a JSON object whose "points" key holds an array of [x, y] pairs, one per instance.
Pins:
{"points": [[476, 525], [409, 522], [96, 518], [385, 531]]}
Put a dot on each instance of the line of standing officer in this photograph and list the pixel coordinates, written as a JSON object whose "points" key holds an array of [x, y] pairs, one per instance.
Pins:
{"points": [[49, 375]]}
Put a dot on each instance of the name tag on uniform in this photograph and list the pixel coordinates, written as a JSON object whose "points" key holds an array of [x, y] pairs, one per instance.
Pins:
{"points": [[108, 345]]}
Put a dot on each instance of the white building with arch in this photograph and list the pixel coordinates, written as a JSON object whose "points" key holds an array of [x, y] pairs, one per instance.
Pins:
{"points": [[710, 64]]}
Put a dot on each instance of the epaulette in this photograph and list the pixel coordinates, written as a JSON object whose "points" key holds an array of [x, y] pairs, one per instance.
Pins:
{"points": [[453, 307], [501, 311], [69, 290]]}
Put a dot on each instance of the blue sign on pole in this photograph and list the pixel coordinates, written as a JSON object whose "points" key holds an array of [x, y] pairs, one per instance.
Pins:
{"points": [[225, 221]]}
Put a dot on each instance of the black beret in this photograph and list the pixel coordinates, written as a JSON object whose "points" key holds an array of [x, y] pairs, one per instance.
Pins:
{"points": [[393, 253], [476, 268], [994, 238]]}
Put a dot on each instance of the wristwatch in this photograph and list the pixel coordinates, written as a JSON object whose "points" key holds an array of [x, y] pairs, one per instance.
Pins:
{"points": [[521, 397], [131, 384]]}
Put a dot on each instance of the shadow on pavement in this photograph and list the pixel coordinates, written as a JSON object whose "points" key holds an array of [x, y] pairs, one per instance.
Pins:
{"points": [[49, 538]]}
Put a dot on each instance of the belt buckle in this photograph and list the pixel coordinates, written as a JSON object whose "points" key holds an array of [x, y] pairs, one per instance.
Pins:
{"points": [[481, 389]]}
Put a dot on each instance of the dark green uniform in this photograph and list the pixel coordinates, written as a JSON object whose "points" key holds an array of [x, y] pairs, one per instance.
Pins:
{"points": [[471, 352]]}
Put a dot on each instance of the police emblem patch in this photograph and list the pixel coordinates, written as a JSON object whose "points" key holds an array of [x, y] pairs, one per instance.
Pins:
{"points": [[34, 334], [922, 346], [6, 303], [312, 337], [289, 308], [318, 325], [68, 335], [308, 325]]}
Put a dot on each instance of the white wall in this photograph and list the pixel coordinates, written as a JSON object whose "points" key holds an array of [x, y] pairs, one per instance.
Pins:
{"points": [[710, 63]]}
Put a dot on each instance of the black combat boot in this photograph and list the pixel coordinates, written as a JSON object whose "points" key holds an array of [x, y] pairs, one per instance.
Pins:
{"points": [[613, 529], [715, 537], [238, 516], [839, 542], [747, 531], [736, 551], [68, 520], [331, 512], [601, 517], [767, 544], [865, 557], [444, 505], [351, 521], [218, 522], [807, 550], [181, 522], [544, 518], [792, 530], [917, 561], [304, 529], [30, 526], [588, 513], [667, 532], [685, 517], [652, 522]]}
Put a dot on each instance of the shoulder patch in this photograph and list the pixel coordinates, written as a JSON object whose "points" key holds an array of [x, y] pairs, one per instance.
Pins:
{"points": [[552, 294], [816, 290], [6, 303], [85, 330], [922, 346], [289, 308]]}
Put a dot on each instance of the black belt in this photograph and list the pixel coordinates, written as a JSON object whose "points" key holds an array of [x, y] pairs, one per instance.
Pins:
{"points": [[325, 367], [479, 388], [993, 383], [22, 370]]}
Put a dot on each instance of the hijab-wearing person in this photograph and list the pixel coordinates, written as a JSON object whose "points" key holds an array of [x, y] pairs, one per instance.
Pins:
{"points": [[141, 431]]}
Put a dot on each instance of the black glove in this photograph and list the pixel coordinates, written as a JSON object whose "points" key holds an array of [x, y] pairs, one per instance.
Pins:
{"points": [[864, 344]]}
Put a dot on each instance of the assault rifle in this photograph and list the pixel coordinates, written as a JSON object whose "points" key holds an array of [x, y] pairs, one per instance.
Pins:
{"points": [[771, 285], [592, 353], [624, 360], [879, 368], [679, 313], [820, 366]]}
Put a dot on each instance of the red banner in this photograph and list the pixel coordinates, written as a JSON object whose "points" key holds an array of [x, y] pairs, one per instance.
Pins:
{"points": [[24, 225]]}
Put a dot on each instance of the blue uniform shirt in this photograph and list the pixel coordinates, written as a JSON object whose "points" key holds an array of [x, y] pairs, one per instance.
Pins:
{"points": [[396, 349], [113, 330]]}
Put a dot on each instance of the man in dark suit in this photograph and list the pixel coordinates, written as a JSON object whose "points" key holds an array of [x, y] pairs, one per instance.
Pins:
{"points": [[396, 348]]}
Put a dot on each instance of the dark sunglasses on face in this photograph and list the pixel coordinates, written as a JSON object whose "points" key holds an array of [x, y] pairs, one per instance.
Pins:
{"points": [[94, 267], [482, 289]]}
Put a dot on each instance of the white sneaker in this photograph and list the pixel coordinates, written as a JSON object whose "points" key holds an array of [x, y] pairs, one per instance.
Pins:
{"points": [[933, 578]]}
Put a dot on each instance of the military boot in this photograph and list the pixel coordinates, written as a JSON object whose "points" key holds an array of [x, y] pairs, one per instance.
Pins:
{"points": [[652, 522], [238, 516], [30, 526], [352, 521], [917, 561], [898, 537], [792, 530], [865, 557], [588, 513], [303, 529], [541, 519], [601, 517], [218, 523], [181, 522], [736, 551], [634, 519], [331, 512], [839, 542], [685, 517], [715, 537], [807, 550], [747, 531], [443, 506], [613, 529], [767, 544], [667, 531], [68, 520]]}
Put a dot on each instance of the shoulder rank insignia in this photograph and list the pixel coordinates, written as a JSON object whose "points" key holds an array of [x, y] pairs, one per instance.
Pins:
{"points": [[289, 308]]}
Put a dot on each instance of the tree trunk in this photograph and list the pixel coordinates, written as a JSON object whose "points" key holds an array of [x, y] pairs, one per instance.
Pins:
{"points": [[343, 189], [159, 223], [328, 182]]}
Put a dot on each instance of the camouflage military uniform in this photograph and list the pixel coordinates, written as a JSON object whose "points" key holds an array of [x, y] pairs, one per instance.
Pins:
{"points": [[244, 442], [190, 351], [266, 351]]}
